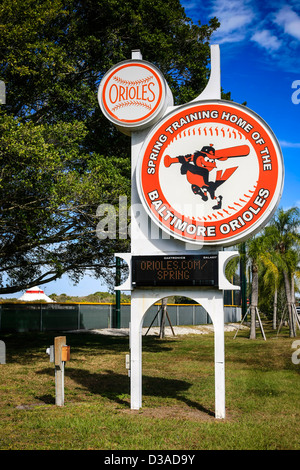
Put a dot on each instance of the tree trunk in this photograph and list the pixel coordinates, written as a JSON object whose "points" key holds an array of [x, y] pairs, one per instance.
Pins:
{"points": [[288, 293], [254, 301], [164, 302], [275, 309], [293, 289]]}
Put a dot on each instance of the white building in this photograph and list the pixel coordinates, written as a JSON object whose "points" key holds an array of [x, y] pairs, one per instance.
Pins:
{"points": [[35, 293]]}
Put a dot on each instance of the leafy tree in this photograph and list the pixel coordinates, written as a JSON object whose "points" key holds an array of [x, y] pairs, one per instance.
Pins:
{"points": [[59, 157], [48, 207]]}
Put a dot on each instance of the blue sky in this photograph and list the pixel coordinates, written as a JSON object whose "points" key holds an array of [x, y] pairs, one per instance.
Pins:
{"points": [[260, 64]]}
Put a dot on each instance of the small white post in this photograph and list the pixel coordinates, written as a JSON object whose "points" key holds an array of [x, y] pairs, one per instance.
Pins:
{"points": [[2, 352], [59, 342]]}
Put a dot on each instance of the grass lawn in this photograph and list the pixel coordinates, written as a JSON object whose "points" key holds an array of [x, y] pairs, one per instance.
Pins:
{"points": [[262, 395]]}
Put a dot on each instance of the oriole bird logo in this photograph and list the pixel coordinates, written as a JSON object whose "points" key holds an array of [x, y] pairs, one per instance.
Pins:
{"points": [[198, 165]]}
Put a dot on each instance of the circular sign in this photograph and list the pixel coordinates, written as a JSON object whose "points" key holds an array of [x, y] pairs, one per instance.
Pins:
{"points": [[133, 94], [211, 173]]}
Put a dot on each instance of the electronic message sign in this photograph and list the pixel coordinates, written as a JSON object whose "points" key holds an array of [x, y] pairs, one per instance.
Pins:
{"points": [[175, 270]]}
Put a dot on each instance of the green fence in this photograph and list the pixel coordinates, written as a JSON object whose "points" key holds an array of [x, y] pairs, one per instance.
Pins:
{"points": [[63, 316]]}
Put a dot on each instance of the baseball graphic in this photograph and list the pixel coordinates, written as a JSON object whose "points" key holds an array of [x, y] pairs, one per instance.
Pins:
{"points": [[210, 173], [132, 93]]}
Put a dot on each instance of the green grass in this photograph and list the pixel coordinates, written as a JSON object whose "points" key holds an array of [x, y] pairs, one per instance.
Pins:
{"points": [[262, 395]]}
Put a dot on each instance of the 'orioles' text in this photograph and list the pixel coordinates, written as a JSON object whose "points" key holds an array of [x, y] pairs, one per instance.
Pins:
{"points": [[248, 214]]}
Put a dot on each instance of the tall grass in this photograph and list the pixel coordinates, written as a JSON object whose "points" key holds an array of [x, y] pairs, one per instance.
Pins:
{"points": [[262, 395]]}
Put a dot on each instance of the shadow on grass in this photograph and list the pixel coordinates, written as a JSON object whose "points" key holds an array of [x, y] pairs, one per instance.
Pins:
{"points": [[116, 386], [30, 348], [24, 348]]}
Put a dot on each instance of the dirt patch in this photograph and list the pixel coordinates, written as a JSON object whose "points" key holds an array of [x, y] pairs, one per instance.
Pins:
{"points": [[173, 412], [154, 331], [29, 406]]}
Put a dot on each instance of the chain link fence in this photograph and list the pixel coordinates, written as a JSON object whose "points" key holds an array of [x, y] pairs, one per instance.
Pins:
{"points": [[21, 317]]}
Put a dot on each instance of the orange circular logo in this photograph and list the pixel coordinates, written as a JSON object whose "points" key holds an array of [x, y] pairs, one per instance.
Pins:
{"points": [[211, 173], [132, 94]]}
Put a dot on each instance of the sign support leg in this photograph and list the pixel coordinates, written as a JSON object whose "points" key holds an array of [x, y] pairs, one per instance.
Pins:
{"points": [[212, 301], [137, 314], [219, 358]]}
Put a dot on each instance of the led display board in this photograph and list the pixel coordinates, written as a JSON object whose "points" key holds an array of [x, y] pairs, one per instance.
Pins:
{"points": [[175, 270]]}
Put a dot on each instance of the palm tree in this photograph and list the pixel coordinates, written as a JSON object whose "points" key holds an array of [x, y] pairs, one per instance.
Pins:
{"points": [[255, 249], [284, 238], [255, 255], [271, 279], [263, 269]]}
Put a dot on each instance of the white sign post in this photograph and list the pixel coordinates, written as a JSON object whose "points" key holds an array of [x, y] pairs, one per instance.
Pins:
{"points": [[205, 175]]}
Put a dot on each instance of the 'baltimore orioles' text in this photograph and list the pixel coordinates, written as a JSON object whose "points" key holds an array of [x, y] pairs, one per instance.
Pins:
{"points": [[192, 230]]}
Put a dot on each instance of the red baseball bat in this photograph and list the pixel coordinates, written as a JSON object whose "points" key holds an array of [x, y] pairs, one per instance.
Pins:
{"points": [[239, 151], [169, 160], [222, 154]]}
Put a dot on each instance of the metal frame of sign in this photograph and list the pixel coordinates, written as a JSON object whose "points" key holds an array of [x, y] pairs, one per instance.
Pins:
{"points": [[166, 172]]}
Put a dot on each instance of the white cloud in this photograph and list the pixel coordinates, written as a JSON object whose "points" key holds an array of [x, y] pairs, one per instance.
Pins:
{"points": [[267, 40], [189, 5], [284, 143], [289, 21], [235, 17]]}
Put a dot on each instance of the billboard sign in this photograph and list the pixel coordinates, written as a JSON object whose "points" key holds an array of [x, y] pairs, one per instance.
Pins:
{"points": [[210, 173], [133, 95]]}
